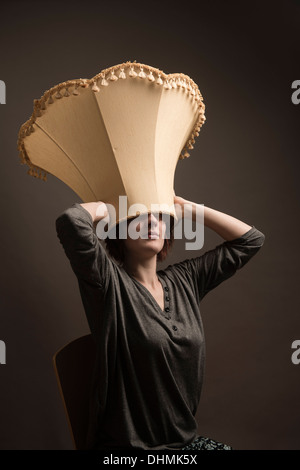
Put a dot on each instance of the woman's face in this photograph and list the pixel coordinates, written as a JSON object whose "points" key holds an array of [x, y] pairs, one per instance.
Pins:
{"points": [[151, 229]]}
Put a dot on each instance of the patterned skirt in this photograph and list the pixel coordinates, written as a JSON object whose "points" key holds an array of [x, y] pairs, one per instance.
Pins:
{"points": [[205, 443]]}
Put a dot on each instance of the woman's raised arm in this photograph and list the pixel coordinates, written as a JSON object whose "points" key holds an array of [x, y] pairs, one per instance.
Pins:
{"points": [[242, 242], [225, 225], [76, 231]]}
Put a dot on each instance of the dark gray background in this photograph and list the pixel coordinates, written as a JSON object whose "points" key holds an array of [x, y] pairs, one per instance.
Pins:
{"points": [[244, 56]]}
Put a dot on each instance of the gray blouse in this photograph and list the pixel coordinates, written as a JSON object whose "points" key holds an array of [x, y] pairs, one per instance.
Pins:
{"points": [[150, 362]]}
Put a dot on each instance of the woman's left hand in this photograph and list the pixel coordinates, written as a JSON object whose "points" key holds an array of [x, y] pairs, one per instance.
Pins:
{"points": [[179, 202]]}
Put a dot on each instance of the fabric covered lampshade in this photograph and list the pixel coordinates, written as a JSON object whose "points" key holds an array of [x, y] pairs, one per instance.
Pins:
{"points": [[120, 133]]}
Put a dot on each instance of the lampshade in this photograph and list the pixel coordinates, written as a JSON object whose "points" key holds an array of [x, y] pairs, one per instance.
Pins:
{"points": [[120, 133]]}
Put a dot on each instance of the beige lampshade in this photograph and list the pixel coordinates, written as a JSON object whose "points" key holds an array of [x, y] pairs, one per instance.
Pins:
{"points": [[120, 133]]}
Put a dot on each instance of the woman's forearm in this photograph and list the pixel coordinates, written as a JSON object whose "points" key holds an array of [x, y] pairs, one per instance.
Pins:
{"points": [[225, 225]]}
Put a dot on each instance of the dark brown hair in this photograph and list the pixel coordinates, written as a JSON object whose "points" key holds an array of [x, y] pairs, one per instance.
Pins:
{"points": [[116, 247]]}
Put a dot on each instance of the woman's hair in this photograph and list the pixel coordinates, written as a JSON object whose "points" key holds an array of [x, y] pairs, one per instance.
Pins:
{"points": [[116, 247]]}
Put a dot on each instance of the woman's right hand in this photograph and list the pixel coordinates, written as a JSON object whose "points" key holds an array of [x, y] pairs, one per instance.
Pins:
{"points": [[98, 210]]}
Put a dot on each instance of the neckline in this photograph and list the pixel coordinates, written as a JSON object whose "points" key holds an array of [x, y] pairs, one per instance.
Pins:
{"points": [[164, 284]]}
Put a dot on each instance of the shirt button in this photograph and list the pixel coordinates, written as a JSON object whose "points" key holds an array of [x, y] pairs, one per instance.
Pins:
{"points": [[174, 327], [167, 299], [167, 309], [166, 289]]}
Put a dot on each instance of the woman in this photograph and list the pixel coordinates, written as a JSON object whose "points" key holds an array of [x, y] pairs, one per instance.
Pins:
{"points": [[147, 325]]}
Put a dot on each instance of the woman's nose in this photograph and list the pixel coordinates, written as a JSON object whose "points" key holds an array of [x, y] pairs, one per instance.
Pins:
{"points": [[152, 218]]}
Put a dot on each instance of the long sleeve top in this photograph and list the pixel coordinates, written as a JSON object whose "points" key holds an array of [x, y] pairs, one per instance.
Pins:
{"points": [[149, 362]]}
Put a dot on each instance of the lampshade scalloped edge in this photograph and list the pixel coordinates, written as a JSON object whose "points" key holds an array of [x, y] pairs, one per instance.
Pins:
{"points": [[102, 79]]}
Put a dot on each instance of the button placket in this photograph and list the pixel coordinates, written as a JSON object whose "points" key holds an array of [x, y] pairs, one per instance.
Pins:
{"points": [[167, 304], [166, 299]]}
